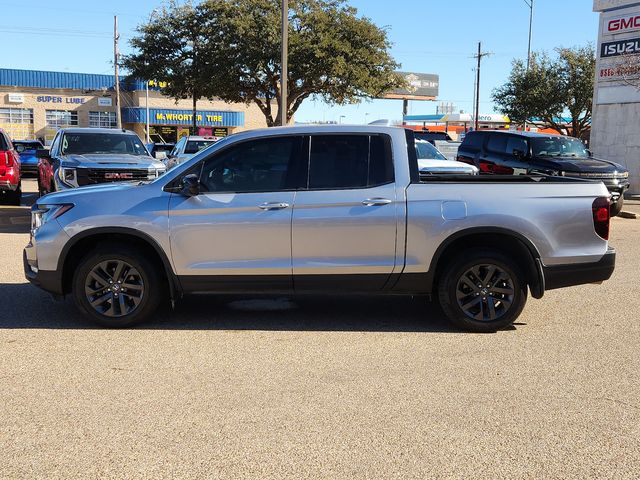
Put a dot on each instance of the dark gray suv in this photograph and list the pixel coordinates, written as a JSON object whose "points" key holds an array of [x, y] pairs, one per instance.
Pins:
{"points": [[89, 156]]}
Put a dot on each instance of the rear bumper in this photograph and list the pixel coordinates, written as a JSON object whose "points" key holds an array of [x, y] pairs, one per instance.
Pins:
{"points": [[9, 184], [559, 276]]}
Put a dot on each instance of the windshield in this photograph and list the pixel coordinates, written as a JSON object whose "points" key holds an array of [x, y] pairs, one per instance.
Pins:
{"points": [[427, 151], [558, 147], [194, 146], [26, 145], [102, 143]]}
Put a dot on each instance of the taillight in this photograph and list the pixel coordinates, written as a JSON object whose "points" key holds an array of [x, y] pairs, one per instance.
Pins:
{"points": [[489, 167], [601, 216]]}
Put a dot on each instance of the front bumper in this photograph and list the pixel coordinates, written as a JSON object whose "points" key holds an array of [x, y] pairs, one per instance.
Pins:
{"points": [[50, 281], [558, 276], [616, 188]]}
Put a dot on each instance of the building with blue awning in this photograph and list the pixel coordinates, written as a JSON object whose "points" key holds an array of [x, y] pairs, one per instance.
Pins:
{"points": [[35, 104]]}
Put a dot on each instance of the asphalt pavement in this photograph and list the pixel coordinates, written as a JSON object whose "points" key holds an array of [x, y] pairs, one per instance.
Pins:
{"points": [[353, 387]]}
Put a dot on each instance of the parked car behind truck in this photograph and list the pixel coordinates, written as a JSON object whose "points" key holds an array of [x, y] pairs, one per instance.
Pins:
{"points": [[500, 152], [27, 150], [89, 156], [324, 209], [10, 172]]}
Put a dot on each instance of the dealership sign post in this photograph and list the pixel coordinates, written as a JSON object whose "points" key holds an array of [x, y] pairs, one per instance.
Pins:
{"points": [[615, 123]]}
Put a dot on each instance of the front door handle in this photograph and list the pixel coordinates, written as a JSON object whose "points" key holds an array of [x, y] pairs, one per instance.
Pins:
{"points": [[273, 206], [371, 202]]}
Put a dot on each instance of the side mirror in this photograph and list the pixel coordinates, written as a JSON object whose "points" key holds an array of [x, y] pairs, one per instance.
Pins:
{"points": [[589, 153], [43, 153], [518, 153], [190, 185]]}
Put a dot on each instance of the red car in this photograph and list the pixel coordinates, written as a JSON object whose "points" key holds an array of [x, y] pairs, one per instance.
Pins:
{"points": [[10, 185], [45, 176]]}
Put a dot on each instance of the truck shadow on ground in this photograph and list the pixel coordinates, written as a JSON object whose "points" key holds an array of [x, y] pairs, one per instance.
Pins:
{"points": [[25, 306]]}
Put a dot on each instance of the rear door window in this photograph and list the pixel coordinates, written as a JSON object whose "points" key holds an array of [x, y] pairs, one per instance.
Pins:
{"points": [[349, 161], [473, 140], [497, 143], [517, 143]]}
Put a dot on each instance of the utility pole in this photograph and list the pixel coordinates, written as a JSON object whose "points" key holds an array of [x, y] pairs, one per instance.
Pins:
{"points": [[284, 72], [116, 60], [479, 56], [473, 105]]}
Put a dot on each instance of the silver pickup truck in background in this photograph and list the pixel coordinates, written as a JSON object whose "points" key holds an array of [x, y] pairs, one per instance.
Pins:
{"points": [[323, 209]]}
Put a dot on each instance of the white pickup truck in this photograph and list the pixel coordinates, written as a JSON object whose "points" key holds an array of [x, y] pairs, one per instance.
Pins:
{"points": [[332, 209]]}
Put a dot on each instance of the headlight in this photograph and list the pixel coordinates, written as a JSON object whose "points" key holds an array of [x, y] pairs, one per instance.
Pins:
{"points": [[68, 176], [41, 214]]}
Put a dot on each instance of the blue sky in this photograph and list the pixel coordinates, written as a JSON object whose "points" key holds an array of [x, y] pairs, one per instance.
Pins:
{"points": [[431, 36]]}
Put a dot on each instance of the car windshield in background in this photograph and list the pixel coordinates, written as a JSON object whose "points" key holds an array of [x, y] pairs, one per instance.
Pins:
{"points": [[558, 147], [194, 146], [24, 146], [102, 143], [427, 151]]}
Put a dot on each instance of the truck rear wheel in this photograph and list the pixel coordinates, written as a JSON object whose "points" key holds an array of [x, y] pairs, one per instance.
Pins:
{"points": [[482, 290], [117, 286]]}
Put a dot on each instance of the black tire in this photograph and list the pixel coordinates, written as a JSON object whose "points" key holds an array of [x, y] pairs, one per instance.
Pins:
{"points": [[616, 207], [143, 275], [469, 303]]}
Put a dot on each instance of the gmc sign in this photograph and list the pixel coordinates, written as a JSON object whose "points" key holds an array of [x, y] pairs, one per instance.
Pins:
{"points": [[118, 176], [623, 24]]}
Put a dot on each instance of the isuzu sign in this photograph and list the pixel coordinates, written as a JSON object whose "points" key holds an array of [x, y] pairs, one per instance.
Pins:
{"points": [[628, 23], [620, 47]]}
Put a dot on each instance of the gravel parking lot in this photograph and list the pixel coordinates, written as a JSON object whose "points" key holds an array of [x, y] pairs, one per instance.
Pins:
{"points": [[321, 387]]}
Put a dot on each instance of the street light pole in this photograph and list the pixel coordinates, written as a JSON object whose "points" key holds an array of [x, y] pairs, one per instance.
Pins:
{"points": [[530, 5], [116, 60], [146, 104], [284, 72]]}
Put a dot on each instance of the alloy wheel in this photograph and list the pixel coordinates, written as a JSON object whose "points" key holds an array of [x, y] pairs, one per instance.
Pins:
{"points": [[485, 292], [114, 288]]}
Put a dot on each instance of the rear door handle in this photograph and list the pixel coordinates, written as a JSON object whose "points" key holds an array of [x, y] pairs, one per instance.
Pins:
{"points": [[371, 202], [273, 206]]}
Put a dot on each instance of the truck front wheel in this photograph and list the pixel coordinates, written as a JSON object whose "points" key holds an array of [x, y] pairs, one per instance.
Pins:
{"points": [[482, 290], [117, 286]]}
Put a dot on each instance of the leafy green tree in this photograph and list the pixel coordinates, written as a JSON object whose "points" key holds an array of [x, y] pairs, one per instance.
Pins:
{"points": [[230, 49], [551, 88], [169, 49]]}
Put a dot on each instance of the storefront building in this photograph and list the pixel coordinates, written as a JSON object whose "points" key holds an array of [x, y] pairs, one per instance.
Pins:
{"points": [[35, 104], [615, 125]]}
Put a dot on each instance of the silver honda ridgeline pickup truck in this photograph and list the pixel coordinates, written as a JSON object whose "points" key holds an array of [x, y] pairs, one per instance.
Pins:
{"points": [[320, 209]]}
